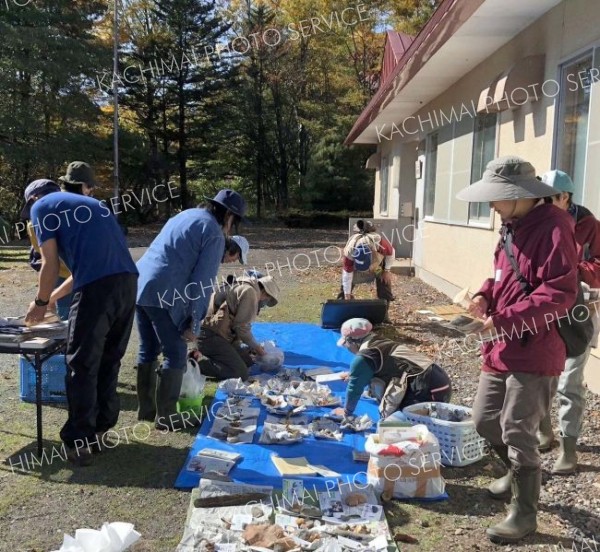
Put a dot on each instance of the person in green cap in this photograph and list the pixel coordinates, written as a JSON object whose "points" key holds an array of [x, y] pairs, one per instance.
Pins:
{"points": [[570, 384], [519, 371]]}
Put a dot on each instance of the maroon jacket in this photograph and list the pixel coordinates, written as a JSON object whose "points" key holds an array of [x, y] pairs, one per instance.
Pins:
{"points": [[587, 235], [528, 339]]}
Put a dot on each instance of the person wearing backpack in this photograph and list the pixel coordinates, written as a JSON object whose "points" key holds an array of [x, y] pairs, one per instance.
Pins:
{"points": [[520, 367], [367, 256], [397, 376], [225, 345], [570, 385]]}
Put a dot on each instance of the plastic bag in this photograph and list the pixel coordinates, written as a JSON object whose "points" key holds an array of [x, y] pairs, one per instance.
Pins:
{"points": [[112, 537], [272, 359], [193, 381]]}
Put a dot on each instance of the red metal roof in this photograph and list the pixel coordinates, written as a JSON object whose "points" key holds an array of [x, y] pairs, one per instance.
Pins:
{"points": [[396, 45], [449, 16]]}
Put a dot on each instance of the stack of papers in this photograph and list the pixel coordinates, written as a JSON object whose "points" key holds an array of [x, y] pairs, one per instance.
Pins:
{"points": [[213, 461]]}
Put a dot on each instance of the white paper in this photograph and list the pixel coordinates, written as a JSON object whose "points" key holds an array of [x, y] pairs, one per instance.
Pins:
{"points": [[225, 547], [239, 521], [329, 377], [379, 543], [349, 543]]}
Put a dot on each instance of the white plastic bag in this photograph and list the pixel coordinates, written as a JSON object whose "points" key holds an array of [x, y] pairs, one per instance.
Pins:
{"points": [[272, 359], [112, 537], [193, 381]]}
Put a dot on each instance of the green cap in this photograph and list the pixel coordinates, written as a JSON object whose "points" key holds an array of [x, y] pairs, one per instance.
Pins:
{"points": [[559, 180]]}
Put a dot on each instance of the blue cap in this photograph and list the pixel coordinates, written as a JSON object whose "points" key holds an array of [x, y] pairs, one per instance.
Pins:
{"points": [[37, 188], [362, 257], [559, 180], [231, 200]]}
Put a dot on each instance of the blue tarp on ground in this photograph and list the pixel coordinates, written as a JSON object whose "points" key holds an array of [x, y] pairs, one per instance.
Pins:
{"points": [[306, 346]]}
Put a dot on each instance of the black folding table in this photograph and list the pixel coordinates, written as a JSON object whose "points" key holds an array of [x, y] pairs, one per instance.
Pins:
{"points": [[36, 356]]}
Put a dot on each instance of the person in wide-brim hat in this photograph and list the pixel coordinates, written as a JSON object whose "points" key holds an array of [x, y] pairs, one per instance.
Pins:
{"points": [[534, 274], [506, 179]]}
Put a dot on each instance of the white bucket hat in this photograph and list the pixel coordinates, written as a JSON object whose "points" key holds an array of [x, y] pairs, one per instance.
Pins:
{"points": [[271, 288], [506, 179], [244, 247]]}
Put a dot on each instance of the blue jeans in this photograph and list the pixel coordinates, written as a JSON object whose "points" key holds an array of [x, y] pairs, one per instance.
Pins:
{"points": [[159, 334]]}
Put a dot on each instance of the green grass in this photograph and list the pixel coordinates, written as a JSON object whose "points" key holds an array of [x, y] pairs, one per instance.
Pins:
{"points": [[13, 257]]}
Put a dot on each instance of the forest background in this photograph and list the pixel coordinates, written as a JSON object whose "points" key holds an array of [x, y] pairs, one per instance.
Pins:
{"points": [[253, 95]]}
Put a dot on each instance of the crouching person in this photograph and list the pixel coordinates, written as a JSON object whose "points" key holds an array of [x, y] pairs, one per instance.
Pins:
{"points": [[396, 375], [228, 327]]}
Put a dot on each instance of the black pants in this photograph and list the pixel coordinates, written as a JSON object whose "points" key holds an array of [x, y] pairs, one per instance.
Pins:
{"points": [[221, 359], [384, 291], [100, 322], [437, 387]]}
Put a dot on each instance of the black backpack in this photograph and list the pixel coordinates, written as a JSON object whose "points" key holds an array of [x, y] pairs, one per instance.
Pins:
{"points": [[577, 330]]}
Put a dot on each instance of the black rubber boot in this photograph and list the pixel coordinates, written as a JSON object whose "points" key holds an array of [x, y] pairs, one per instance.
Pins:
{"points": [[500, 488], [167, 395], [146, 390], [522, 519]]}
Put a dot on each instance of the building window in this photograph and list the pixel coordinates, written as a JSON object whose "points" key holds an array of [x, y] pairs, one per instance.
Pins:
{"points": [[484, 150], [573, 119], [430, 172], [383, 187]]}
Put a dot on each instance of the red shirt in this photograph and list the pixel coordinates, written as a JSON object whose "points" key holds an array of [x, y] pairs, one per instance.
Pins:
{"points": [[545, 250]]}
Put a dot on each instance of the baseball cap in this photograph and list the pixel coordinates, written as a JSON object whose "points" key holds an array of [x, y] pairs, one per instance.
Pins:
{"points": [[37, 188], [559, 180], [355, 328]]}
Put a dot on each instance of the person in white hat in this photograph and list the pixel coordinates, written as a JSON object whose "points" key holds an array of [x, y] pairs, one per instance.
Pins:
{"points": [[226, 344], [570, 384], [397, 376], [520, 367]]}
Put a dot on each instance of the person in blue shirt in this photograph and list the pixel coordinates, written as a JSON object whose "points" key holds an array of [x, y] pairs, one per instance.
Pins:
{"points": [[177, 277], [397, 376], [84, 233]]}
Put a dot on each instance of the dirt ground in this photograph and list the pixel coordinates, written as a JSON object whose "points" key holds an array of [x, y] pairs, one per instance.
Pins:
{"points": [[133, 482]]}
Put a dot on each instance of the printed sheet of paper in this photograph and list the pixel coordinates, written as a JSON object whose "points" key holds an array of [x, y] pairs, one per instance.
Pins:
{"points": [[293, 466]]}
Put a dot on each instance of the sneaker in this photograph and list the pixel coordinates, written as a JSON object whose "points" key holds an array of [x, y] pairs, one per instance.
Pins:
{"points": [[80, 457]]}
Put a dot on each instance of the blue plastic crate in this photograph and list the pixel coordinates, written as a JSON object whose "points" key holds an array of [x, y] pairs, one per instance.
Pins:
{"points": [[54, 371]]}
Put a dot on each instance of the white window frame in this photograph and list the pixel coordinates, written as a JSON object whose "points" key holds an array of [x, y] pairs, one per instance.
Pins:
{"points": [[486, 224], [594, 50], [385, 169]]}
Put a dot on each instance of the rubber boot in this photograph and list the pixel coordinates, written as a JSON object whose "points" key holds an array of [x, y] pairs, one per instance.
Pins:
{"points": [[387, 320], [545, 434], [522, 518], [167, 395], [566, 462], [500, 488], [146, 389]]}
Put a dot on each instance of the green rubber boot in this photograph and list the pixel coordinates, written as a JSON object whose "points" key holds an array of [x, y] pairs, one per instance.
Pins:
{"points": [[522, 518], [167, 395], [146, 389], [566, 462], [545, 434], [500, 488]]}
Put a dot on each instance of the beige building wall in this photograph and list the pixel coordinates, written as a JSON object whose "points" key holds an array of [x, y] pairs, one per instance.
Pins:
{"points": [[454, 256]]}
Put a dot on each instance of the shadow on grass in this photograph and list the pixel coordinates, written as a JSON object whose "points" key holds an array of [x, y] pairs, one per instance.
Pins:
{"points": [[127, 464], [433, 328]]}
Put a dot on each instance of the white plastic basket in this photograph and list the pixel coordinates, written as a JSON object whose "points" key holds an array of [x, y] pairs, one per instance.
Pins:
{"points": [[460, 444]]}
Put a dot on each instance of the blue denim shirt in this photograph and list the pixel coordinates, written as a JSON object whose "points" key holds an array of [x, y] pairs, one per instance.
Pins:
{"points": [[178, 272]]}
